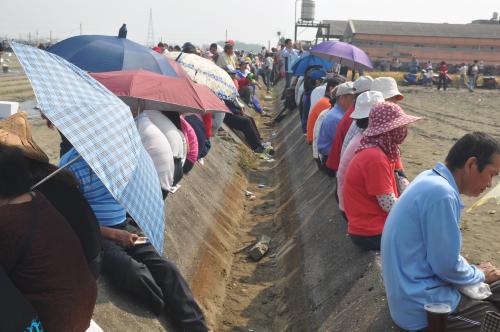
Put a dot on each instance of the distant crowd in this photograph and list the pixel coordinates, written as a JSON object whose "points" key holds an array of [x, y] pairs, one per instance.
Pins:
{"points": [[355, 130]]}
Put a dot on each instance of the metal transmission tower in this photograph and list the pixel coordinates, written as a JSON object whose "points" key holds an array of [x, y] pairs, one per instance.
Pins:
{"points": [[151, 35]]}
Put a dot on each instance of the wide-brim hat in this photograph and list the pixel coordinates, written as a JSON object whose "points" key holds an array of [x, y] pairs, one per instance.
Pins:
{"points": [[16, 131], [365, 102], [388, 87], [346, 88], [363, 84], [387, 116]]}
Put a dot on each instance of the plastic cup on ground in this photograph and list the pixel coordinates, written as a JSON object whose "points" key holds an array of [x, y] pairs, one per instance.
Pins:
{"points": [[437, 315]]}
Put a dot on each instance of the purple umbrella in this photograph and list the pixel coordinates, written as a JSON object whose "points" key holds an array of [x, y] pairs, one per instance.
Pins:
{"points": [[344, 53]]}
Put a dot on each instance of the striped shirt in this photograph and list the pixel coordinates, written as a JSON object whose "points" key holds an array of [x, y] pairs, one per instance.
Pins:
{"points": [[106, 209]]}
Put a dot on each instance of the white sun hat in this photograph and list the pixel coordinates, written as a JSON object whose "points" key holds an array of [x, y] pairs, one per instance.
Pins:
{"points": [[365, 102]]}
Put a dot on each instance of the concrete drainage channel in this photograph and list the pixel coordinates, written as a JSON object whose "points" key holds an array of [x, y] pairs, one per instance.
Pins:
{"points": [[311, 279]]}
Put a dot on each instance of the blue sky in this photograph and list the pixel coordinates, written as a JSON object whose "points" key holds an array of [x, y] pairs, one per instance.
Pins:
{"points": [[206, 21]]}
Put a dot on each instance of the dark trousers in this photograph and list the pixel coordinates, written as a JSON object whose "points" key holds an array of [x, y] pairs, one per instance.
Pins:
{"points": [[367, 242], [246, 125], [442, 82], [304, 114], [144, 273], [469, 313]]}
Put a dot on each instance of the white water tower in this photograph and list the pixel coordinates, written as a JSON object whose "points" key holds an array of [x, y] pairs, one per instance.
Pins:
{"points": [[308, 9]]}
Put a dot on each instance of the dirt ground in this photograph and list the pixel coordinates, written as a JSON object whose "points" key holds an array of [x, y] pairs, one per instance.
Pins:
{"points": [[448, 116]]}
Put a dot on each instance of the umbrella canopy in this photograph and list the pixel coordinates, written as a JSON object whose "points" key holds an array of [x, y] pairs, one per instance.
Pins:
{"points": [[344, 53], [102, 130], [151, 91], [95, 53], [204, 71], [299, 68]]}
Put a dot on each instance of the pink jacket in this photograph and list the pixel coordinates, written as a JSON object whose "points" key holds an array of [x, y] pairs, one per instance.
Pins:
{"points": [[191, 139]]}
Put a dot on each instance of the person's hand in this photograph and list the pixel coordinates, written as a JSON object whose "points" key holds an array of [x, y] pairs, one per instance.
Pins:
{"points": [[124, 238], [491, 273]]}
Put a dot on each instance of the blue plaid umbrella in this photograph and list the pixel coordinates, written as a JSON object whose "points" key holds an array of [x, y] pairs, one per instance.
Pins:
{"points": [[102, 130]]}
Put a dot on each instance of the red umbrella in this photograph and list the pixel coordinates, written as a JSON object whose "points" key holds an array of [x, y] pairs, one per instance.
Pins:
{"points": [[152, 91]]}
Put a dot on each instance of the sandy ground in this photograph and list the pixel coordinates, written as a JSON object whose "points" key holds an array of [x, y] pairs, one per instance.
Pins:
{"points": [[448, 116]]}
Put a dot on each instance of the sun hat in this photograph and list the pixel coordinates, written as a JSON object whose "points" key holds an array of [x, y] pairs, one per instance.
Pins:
{"points": [[388, 87], [15, 131], [363, 83], [346, 88], [365, 102], [385, 117]]}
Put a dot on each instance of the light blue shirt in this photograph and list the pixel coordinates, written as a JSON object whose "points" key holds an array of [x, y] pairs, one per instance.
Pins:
{"points": [[329, 129], [106, 209], [290, 56], [420, 249]]}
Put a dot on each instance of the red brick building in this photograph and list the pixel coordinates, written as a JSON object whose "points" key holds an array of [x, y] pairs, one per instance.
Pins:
{"points": [[453, 43]]}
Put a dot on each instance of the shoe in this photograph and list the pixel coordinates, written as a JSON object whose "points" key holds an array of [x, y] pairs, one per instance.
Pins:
{"points": [[267, 144], [269, 151]]}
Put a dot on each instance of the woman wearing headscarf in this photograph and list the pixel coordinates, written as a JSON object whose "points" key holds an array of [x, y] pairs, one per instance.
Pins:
{"points": [[370, 186]]}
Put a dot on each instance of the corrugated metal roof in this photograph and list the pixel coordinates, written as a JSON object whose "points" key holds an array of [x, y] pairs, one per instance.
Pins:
{"points": [[337, 28], [426, 29]]}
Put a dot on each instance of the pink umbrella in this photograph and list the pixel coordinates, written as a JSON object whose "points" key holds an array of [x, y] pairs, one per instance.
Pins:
{"points": [[152, 91]]}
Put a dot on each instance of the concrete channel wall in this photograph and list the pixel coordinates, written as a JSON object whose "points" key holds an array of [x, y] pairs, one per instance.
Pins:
{"points": [[331, 285]]}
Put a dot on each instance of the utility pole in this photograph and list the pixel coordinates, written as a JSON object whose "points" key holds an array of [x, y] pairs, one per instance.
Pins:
{"points": [[36, 33], [29, 37], [81, 30], [226, 36], [295, 22], [150, 41], [50, 36]]}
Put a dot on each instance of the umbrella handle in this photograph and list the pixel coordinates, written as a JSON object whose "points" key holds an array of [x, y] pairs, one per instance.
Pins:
{"points": [[51, 175]]}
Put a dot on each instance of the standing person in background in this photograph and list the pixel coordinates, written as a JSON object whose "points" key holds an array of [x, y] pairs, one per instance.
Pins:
{"points": [[472, 75], [421, 242], [289, 55], [414, 65], [268, 70], [443, 73], [227, 58], [214, 51], [463, 76]]}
